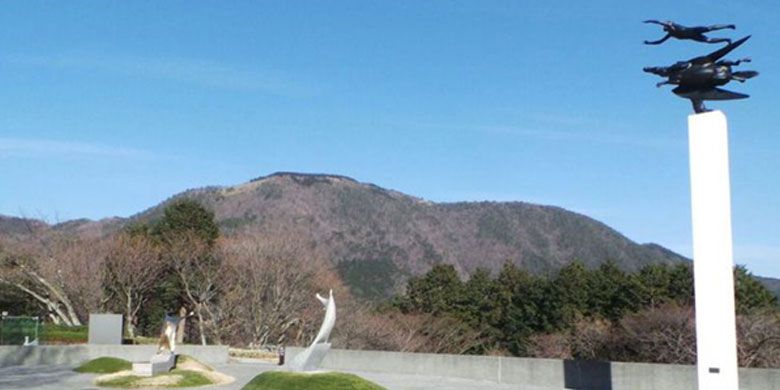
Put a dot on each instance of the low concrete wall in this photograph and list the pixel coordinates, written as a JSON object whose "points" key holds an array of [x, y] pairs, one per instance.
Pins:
{"points": [[539, 373], [76, 354]]}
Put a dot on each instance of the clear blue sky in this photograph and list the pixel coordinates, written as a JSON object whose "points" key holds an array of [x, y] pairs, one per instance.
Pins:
{"points": [[107, 108]]}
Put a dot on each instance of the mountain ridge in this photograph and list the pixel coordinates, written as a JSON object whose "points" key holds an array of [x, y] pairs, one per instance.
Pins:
{"points": [[367, 230]]}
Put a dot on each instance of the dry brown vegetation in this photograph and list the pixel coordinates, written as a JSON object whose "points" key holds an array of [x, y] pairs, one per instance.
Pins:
{"points": [[666, 334], [60, 272], [132, 266], [268, 298]]}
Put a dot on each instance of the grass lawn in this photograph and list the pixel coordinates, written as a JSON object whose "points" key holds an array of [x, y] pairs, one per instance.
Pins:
{"points": [[279, 380], [180, 378], [104, 365], [60, 334]]}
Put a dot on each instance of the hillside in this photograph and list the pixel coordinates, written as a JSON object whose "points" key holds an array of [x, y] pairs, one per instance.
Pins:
{"points": [[772, 284], [377, 237]]}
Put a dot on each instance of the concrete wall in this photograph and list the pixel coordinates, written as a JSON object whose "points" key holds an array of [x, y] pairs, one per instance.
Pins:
{"points": [[541, 373], [76, 354]]}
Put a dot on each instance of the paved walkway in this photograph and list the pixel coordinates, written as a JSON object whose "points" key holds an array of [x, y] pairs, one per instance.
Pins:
{"points": [[63, 377]]}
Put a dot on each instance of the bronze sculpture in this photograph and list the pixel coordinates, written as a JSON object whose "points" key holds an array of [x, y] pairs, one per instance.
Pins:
{"points": [[674, 30], [698, 79]]}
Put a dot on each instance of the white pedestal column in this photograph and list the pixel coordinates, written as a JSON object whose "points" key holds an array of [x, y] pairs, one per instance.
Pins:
{"points": [[716, 341]]}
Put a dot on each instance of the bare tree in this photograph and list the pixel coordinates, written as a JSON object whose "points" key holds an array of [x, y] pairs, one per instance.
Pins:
{"points": [[550, 346], [269, 297], [62, 273], [133, 265], [758, 337], [82, 272], [434, 334], [198, 268], [589, 338], [666, 334]]}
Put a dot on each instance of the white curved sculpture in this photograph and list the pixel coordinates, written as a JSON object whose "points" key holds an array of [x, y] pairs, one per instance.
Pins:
{"points": [[311, 357]]}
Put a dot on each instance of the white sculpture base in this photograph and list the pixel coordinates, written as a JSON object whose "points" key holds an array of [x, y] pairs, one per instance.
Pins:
{"points": [[716, 341], [311, 358], [158, 364]]}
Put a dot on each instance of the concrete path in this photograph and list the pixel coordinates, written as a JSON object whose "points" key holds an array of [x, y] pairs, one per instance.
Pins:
{"points": [[63, 377], [44, 377]]}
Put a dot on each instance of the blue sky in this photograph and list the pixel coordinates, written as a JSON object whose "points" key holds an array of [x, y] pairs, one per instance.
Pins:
{"points": [[110, 107]]}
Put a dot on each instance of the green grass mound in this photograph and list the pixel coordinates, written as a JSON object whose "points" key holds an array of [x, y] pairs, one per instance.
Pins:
{"points": [[279, 380], [175, 378], [104, 365]]}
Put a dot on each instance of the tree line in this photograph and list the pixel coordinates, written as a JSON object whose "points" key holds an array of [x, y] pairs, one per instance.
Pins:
{"points": [[603, 313], [242, 290], [239, 290], [250, 291]]}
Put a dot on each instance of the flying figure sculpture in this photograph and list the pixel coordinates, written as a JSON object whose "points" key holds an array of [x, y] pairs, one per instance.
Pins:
{"points": [[674, 30], [698, 79]]}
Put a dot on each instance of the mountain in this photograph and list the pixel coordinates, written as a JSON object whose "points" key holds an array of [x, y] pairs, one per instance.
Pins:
{"points": [[367, 230], [772, 284], [377, 237], [15, 226]]}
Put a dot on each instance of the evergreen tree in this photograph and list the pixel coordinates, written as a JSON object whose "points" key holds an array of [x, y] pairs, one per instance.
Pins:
{"points": [[681, 284], [182, 220], [751, 296], [655, 283], [571, 286], [518, 312], [612, 293], [438, 291], [187, 216]]}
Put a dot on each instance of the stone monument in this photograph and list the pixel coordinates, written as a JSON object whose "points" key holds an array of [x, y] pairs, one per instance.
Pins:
{"points": [[105, 329], [311, 357], [698, 79]]}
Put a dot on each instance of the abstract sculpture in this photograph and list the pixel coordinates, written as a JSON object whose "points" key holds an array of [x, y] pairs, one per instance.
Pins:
{"points": [[312, 356], [168, 334], [165, 358], [698, 79]]}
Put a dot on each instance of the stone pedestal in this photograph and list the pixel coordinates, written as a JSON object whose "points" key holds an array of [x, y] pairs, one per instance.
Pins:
{"points": [[158, 364], [716, 341]]}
